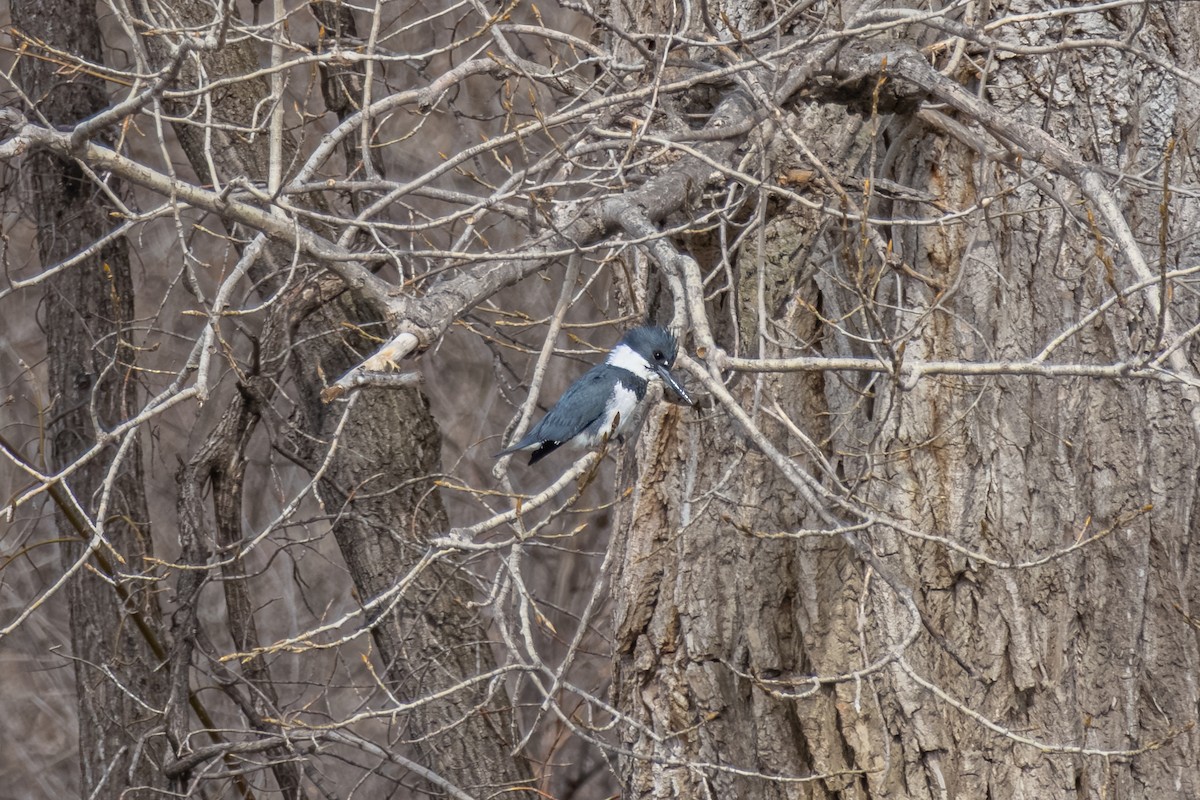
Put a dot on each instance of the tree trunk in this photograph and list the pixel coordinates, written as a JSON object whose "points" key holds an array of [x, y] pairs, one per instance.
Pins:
{"points": [[379, 476], [93, 382], [745, 615]]}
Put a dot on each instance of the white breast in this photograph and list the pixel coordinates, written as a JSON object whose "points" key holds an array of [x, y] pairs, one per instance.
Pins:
{"points": [[625, 403]]}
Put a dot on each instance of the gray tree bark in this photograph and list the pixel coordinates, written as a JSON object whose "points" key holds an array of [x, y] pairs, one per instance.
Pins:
{"points": [[380, 476], [744, 614], [93, 380]]}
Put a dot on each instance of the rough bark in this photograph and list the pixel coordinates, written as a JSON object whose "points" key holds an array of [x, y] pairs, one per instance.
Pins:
{"points": [[722, 629], [708, 616], [94, 385]]}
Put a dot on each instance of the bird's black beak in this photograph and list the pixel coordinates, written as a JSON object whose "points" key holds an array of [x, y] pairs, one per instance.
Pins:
{"points": [[673, 385]]}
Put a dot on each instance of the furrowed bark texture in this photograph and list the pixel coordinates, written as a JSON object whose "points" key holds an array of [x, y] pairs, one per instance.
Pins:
{"points": [[93, 382], [705, 611], [719, 629], [378, 482]]}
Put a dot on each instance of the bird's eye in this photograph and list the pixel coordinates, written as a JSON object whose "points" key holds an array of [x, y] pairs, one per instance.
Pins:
{"points": [[658, 355]]}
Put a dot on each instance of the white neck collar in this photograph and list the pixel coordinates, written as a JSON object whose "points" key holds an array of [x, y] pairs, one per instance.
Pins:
{"points": [[623, 357]]}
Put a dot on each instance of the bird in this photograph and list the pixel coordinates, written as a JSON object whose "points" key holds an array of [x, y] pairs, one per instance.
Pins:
{"points": [[602, 402]]}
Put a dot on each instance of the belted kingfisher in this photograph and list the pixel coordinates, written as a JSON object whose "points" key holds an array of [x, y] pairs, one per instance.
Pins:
{"points": [[586, 411]]}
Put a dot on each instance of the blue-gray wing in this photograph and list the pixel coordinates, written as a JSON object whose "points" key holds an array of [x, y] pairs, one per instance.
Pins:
{"points": [[581, 405]]}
